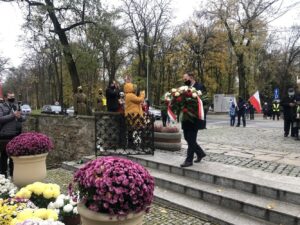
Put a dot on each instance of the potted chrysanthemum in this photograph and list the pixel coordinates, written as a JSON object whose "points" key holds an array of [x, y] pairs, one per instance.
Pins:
{"points": [[66, 206], [113, 190], [29, 151]]}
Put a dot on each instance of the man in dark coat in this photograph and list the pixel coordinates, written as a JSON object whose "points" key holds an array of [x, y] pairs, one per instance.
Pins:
{"points": [[190, 129], [10, 122], [112, 97], [289, 112], [241, 110]]}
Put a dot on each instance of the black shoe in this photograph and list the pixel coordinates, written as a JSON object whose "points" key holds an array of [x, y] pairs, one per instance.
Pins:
{"points": [[186, 164], [285, 135], [237, 125], [199, 158]]}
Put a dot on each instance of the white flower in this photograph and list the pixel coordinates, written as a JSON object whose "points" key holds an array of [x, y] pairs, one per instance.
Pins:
{"points": [[59, 203], [75, 211], [193, 89], [51, 205], [68, 208], [194, 95], [61, 196], [73, 203], [199, 92], [177, 94], [183, 88], [174, 90]]}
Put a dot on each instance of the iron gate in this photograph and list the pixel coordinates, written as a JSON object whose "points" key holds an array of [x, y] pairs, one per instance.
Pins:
{"points": [[116, 134]]}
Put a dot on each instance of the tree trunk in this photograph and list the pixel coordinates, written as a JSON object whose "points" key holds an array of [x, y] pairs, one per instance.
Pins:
{"points": [[66, 47], [242, 76]]}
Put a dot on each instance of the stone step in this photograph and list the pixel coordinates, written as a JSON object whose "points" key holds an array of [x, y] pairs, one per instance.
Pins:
{"points": [[247, 203], [211, 212], [275, 186]]}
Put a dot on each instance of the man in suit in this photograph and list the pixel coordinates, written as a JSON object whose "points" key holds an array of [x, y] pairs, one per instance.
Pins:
{"points": [[190, 128]]}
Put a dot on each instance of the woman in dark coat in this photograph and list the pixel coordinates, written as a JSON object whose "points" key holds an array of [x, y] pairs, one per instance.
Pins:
{"points": [[112, 97]]}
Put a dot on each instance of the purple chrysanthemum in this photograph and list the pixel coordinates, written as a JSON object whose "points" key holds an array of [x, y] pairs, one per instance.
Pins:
{"points": [[115, 185], [30, 143]]}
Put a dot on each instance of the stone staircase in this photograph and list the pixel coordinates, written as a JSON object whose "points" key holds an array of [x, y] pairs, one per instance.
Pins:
{"points": [[220, 193]]}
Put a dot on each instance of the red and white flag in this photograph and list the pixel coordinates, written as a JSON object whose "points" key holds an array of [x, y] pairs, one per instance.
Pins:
{"points": [[255, 101], [171, 114]]}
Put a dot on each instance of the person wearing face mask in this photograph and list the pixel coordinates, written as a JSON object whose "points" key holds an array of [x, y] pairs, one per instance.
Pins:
{"points": [[112, 96], [190, 129], [80, 102], [289, 113], [11, 126]]}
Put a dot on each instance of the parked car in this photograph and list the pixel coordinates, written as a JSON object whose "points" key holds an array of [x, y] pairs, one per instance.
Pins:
{"points": [[25, 109], [51, 109], [70, 111], [155, 112]]}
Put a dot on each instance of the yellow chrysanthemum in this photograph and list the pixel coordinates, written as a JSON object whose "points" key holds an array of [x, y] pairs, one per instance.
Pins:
{"points": [[48, 193], [41, 213]]}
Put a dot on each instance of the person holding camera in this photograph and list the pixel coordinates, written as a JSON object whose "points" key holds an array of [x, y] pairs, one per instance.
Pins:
{"points": [[11, 126]]}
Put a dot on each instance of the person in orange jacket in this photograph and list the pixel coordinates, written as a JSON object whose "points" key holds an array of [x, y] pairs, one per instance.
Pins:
{"points": [[133, 102]]}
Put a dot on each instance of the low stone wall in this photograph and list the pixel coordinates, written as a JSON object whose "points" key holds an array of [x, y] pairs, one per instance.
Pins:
{"points": [[73, 137]]}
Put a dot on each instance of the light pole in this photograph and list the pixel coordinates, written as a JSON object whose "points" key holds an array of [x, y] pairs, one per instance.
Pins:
{"points": [[147, 67]]}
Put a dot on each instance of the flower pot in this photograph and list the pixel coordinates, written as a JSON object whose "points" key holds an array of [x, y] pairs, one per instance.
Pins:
{"points": [[28, 169], [71, 220], [167, 141], [89, 217]]}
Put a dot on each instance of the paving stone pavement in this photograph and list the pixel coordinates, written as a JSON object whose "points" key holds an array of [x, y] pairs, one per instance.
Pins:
{"points": [[260, 145]]}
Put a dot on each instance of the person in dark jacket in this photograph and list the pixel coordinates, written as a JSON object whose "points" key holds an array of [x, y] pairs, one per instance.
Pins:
{"points": [[190, 129], [10, 122], [289, 112], [241, 110], [112, 97]]}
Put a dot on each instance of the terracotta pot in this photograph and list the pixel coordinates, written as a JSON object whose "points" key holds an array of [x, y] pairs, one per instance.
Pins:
{"points": [[71, 220], [89, 217], [29, 169]]}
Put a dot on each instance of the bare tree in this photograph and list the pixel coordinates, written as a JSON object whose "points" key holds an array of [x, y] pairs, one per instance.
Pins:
{"points": [[62, 17], [148, 21]]}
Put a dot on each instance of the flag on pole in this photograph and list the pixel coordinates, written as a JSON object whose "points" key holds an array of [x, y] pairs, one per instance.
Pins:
{"points": [[255, 101]]}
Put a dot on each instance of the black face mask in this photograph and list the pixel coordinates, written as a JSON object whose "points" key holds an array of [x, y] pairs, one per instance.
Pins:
{"points": [[11, 100], [187, 82], [80, 91]]}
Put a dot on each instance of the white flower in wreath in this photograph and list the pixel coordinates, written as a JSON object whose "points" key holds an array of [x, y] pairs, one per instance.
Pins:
{"points": [[193, 89], [68, 208], [199, 93], [174, 90], [194, 95], [75, 211], [177, 94], [183, 88]]}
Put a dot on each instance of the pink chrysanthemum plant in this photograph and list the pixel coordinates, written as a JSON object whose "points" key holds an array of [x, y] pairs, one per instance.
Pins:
{"points": [[29, 143], [114, 185]]}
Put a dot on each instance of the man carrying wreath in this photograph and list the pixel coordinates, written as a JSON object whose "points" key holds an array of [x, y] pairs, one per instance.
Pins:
{"points": [[190, 127]]}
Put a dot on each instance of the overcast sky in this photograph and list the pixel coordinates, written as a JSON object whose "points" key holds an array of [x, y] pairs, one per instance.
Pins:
{"points": [[11, 21]]}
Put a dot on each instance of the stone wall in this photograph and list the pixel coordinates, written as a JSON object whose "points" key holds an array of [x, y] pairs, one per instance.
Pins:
{"points": [[73, 137]]}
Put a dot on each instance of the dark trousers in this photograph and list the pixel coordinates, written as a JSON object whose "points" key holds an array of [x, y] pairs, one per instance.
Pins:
{"points": [[4, 158], [232, 120], [288, 125], [191, 137], [239, 119], [164, 117], [276, 114], [251, 116]]}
